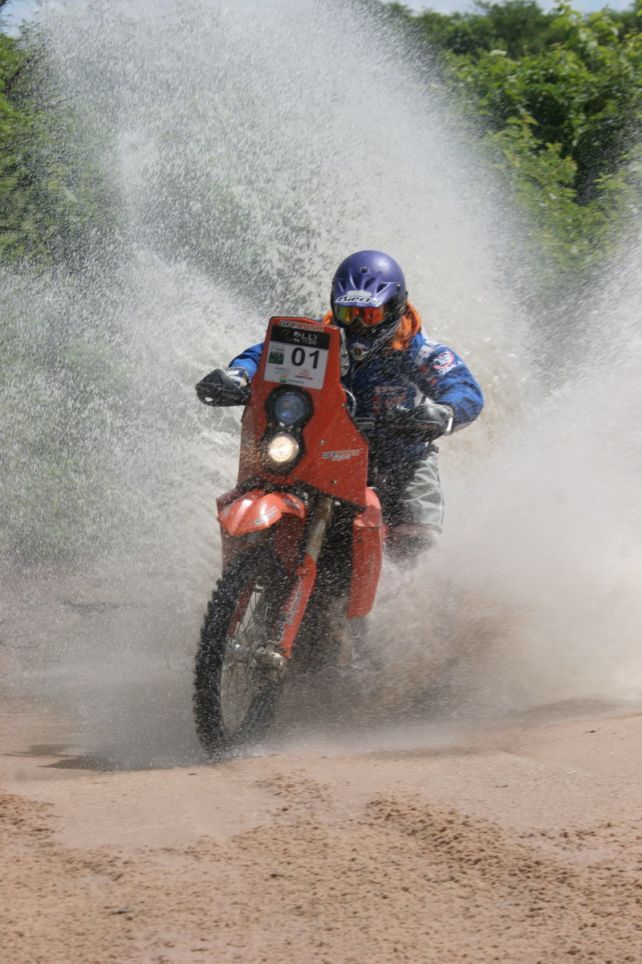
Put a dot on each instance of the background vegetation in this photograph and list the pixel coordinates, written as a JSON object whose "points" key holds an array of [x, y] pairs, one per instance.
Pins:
{"points": [[58, 373], [556, 96], [558, 99]]}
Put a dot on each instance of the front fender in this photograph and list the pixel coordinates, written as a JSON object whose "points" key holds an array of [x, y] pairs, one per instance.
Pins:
{"points": [[257, 510]]}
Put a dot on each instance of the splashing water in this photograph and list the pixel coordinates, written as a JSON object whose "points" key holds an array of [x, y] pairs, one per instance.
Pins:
{"points": [[250, 149], [537, 584]]}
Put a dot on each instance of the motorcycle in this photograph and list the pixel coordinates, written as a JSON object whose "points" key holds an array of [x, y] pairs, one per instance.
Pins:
{"points": [[302, 537]]}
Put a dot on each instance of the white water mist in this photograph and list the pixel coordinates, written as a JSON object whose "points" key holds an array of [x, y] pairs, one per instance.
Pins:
{"points": [[535, 591], [250, 147]]}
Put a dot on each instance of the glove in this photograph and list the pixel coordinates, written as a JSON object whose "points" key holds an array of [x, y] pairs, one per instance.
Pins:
{"points": [[427, 421], [229, 386]]}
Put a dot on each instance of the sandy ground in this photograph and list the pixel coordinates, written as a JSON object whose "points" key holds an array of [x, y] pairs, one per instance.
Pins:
{"points": [[517, 844], [440, 839]]}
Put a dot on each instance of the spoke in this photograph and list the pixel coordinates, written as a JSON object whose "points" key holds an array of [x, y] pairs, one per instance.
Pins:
{"points": [[239, 683]]}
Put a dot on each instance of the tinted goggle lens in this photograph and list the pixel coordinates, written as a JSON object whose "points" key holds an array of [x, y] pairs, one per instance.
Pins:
{"points": [[370, 317]]}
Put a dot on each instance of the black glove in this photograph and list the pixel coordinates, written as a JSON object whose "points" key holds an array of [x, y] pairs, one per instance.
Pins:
{"points": [[427, 421], [229, 386]]}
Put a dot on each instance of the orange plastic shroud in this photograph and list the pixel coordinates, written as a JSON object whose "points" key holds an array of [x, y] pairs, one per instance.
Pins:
{"points": [[334, 461], [335, 453], [367, 551]]}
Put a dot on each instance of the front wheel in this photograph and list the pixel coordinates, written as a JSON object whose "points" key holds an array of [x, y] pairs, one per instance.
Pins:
{"points": [[235, 686]]}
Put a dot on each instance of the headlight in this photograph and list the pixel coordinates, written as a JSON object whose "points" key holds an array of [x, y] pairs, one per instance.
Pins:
{"points": [[290, 408], [282, 448]]}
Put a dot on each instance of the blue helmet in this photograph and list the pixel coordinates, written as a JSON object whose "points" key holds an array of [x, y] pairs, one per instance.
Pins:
{"points": [[370, 286]]}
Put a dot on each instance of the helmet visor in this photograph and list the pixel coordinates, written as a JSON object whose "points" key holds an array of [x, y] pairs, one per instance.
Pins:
{"points": [[369, 317]]}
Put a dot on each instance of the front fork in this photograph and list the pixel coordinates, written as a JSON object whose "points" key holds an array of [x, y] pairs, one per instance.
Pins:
{"points": [[305, 578], [319, 522], [306, 574]]}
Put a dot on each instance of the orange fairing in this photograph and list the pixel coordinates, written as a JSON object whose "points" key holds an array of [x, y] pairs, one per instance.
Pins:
{"points": [[367, 550], [256, 510], [305, 354]]}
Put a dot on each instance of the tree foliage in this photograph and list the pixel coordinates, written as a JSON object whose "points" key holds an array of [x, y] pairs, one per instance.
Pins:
{"points": [[556, 95], [581, 91], [558, 98], [55, 202], [58, 375]]}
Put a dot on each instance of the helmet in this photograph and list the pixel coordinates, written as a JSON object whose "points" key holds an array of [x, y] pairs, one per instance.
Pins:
{"points": [[368, 299]]}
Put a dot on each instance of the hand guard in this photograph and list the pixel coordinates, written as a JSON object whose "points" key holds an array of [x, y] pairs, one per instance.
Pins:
{"points": [[229, 386], [427, 421]]}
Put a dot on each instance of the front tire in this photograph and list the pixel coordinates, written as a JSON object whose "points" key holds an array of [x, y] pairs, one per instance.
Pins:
{"points": [[235, 695]]}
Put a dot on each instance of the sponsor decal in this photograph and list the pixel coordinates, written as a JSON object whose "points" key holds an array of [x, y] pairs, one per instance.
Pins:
{"points": [[291, 611], [341, 456], [359, 298], [359, 350], [386, 397], [276, 357], [299, 324], [444, 361], [293, 606], [299, 336]]}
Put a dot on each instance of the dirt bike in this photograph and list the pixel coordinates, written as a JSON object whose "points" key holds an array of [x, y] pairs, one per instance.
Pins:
{"points": [[302, 537]]}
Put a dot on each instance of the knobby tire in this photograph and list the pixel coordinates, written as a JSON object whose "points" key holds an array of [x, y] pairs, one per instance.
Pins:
{"points": [[251, 572]]}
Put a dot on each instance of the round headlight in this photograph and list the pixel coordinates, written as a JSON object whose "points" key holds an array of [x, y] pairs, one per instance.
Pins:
{"points": [[290, 408], [282, 448]]}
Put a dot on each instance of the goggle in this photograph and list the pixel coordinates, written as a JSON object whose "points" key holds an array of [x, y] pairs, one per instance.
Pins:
{"points": [[370, 317]]}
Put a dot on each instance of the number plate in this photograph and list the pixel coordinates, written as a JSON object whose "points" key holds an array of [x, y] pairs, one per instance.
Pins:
{"points": [[297, 356]]}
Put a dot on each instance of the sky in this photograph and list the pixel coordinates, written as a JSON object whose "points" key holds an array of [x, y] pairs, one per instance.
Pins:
{"points": [[18, 10]]}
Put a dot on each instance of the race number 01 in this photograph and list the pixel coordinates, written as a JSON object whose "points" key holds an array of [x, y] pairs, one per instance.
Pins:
{"points": [[299, 357]]}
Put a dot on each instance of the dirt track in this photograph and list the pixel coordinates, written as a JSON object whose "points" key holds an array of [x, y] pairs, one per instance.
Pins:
{"points": [[518, 845]]}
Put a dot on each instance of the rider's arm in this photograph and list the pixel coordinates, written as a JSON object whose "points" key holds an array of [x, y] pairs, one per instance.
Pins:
{"points": [[248, 360], [444, 376]]}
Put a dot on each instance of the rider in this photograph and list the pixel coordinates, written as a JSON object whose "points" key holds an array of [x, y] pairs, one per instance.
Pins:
{"points": [[412, 388]]}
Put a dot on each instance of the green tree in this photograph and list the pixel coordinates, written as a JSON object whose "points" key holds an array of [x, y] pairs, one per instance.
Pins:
{"points": [[57, 203], [558, 99], [59, 376], [582, 93]]}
